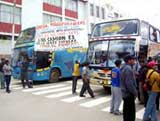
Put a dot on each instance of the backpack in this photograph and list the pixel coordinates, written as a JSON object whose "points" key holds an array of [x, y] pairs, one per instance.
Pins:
{"points": [[147, 86]]}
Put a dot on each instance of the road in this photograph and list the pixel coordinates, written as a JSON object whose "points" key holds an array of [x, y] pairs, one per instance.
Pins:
{"points": [[55, 102]]}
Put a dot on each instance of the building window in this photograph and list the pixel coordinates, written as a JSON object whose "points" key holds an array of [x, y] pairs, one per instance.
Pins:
{"points": [[97, 11], [54, 2], [91, 9], [50, 18], [6, 14], [71, 5], [103, 13]]}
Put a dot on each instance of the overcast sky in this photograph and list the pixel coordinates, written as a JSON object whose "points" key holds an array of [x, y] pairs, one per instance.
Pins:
{"points": [[148, 10]]}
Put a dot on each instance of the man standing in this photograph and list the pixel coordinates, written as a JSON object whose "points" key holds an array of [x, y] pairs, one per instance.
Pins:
{"points": [[76, 74], [128, 88], [24, 72], [2, 83], [7, 75]]}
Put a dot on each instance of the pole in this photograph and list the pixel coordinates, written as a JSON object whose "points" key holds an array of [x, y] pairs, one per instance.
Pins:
{"points": [[13, 25], [63, 10]]}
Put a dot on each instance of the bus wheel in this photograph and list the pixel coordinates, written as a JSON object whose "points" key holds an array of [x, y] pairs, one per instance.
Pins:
{"points": [[107, 89], [54, 76]]}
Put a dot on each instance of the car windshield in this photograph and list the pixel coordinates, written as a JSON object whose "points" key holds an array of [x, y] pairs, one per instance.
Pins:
{"points": [[104, 53]]}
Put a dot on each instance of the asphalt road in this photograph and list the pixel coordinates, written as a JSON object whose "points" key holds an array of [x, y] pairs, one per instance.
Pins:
{"points": [[54, 102]]}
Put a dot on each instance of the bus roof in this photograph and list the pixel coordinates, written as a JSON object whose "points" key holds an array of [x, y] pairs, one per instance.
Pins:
{"points": [[119, 19]]}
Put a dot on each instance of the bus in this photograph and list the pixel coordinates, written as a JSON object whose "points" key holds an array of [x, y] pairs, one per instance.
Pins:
{"points": [[113, 40], [52, 50]]}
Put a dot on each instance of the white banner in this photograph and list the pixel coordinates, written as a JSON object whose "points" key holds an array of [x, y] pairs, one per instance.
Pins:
{"points": [[60, 35]]}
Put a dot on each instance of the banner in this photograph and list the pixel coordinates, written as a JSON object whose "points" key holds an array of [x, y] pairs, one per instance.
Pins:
{"points": [[61, 35]]}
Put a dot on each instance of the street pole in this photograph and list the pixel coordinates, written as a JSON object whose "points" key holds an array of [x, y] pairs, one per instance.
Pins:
{"points": [[13, 27], [63, 10]]}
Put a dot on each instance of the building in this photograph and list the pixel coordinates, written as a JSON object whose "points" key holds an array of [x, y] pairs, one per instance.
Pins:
{"points": [[16, 15]]}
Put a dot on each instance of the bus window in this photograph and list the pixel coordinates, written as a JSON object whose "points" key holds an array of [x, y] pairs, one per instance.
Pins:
{"points": [[42, 60], [117, 28], [144, 30], [158, 37], [96, 32], [26, 35], [97, 52], [153, 34], [118, 49]]}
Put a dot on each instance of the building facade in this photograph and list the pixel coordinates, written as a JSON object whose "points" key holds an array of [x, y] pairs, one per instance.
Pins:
{"points": [[16, 15]]}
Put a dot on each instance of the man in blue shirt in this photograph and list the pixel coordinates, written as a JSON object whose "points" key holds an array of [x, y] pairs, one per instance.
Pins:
{"points": [[115, 89]]}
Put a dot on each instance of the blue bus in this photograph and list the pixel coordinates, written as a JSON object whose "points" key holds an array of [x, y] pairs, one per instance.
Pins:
{"points": [[44, 65]]}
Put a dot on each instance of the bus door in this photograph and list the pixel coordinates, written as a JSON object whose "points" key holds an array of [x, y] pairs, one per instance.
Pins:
{"points": [[16, 61], [43, 61], [31, 66]]}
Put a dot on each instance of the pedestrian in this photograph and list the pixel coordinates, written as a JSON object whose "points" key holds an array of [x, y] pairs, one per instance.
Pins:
{"points": [[76, 74], [86, 81], [157, 101], [142, 77], [31, 68], [154, 81], [7, 75], [2, 82], [136, 68], [115, 89], [24, 72], [128, 88]]}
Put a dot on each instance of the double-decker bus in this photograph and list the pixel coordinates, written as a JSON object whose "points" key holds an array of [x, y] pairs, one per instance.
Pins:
{"points": [[114, 39], [52, 50]]}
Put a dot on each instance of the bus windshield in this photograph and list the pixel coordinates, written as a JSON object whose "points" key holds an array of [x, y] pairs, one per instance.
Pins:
{"points": [[26, 35], [104, 53], [116, 28]]}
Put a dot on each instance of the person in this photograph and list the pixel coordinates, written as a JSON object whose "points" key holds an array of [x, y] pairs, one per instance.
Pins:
{"points": [[24, 72], [103, 57], [86, 82], [144, 71], [142, 76], [154, 80], [2, 83], [76, 74], [115, 89], [149, 59], [157, 101], [7, 75], [154, 34], [128, 88], [136, 68]]}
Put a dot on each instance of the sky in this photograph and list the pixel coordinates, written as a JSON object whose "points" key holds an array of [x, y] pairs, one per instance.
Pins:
{"points": [[148, 10]]}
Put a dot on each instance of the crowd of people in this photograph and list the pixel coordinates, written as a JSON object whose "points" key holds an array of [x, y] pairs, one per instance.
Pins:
{"points": [[6, 72], [127, 83], [131, 81]]}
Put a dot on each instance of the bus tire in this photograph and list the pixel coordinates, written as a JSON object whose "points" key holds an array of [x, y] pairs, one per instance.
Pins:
{"points": [[107, 89], [54, 76]]}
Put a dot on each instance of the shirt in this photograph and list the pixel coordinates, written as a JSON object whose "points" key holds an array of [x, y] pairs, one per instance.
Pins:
{"points": [[128, 81], [115, 77], [7, 69], [76, 70]]}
